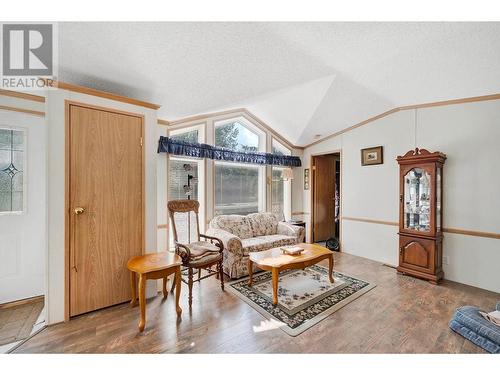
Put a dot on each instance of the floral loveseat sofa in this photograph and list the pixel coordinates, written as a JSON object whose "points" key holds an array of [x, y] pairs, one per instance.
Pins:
{"points": [[255, 232]]}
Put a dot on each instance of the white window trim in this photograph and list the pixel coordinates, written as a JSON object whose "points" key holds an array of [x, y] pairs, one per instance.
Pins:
{"points": [[287, 185], [287, 195]]}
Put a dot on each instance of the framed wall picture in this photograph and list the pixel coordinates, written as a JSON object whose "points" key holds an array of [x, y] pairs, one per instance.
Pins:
{"points": [[306, 179], [372, 155]]}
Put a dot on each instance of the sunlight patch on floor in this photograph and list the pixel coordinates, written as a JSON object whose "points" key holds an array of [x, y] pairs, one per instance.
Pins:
{"points": [[267, 325]]}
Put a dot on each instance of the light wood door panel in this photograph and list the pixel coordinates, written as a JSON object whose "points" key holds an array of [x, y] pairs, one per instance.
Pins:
{"points": [[324, 197], [106, 172]]}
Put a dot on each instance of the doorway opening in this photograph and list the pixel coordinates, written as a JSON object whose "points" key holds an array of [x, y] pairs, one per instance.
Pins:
{"points": [[326, 200]]}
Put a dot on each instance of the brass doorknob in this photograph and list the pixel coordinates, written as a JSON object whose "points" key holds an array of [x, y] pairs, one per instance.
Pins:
{"points": [[79, 210]]}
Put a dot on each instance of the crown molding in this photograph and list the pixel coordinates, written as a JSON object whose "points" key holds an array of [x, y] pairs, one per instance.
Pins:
{"points": [[103, 94], [163, 122]]}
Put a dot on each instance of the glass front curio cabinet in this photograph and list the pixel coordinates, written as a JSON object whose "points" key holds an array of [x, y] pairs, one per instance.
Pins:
{"points": [[420, 214]]}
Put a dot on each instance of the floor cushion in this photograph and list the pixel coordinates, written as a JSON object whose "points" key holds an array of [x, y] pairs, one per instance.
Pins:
{"points": [[470, 335], [470, 324]]}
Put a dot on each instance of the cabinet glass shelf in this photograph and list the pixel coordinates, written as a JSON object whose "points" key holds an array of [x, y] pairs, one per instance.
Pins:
{"points": [[417, 200]]}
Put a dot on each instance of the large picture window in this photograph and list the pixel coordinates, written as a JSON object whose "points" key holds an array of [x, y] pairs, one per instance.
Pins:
{"points": [[238, 187], [12, 149]]}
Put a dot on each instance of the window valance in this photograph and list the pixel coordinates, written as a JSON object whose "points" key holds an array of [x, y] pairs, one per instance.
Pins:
{"points": [[202, 150]]}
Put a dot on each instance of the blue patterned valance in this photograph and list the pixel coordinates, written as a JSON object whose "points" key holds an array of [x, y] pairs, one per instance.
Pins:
{"points": [[202, 150]]}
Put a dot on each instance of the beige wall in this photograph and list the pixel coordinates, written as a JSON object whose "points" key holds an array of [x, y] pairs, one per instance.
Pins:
{"points": [[468, 133]]}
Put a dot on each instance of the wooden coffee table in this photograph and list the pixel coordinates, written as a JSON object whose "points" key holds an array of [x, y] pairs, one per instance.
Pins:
{"points": [[275, 261], [154, 266]]}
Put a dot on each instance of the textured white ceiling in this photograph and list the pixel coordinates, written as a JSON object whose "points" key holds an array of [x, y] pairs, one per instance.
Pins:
{"points": [[303, 79]]}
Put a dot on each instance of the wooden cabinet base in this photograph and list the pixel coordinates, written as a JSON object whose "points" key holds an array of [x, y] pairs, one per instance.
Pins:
{"points": [[434, 279]]}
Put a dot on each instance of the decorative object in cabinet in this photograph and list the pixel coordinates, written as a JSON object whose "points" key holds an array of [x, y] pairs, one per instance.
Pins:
{"points": [[420, 216]]}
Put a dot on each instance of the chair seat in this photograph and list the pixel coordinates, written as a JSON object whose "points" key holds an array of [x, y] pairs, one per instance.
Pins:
{"points": [[201, 249], [206, 259]]}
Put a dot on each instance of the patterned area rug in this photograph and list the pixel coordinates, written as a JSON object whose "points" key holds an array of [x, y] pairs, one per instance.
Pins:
{"points": [[305, 297]]}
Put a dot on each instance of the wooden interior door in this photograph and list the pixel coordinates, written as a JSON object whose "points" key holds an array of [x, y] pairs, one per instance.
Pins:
{"points": [[106, 181], [324, 197]]}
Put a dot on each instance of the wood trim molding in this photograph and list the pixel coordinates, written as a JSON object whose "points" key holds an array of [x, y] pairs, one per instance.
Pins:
{"points": [[22, 95], [163, 122], [359, 124], [465, 232], [404, 108], [475, 233], [471, 99], [20, 302], [394, 223], [22, 110], [103, 94]]}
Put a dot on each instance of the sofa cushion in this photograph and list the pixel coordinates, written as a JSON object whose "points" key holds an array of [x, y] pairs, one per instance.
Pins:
{"points": [[235, 224], [254, 244], [263, 223], [277, 240], [266, 242]]}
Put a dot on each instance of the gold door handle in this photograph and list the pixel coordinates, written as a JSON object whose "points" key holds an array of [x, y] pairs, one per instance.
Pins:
{"points": [[79, 210]]}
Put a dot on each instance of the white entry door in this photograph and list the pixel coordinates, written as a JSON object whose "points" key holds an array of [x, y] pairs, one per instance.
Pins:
{"points": [[22, 206]]}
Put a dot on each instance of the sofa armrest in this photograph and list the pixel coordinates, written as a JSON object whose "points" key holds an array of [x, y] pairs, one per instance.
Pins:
{"points": [[231, 242], [288, 229]]}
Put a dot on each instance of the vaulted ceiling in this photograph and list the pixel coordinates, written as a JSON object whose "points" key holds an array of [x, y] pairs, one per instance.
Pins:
{"points": [[303, 79]]}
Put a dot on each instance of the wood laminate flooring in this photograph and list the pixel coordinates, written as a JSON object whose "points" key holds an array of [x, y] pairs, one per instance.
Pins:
{"points": [[401, 315]]}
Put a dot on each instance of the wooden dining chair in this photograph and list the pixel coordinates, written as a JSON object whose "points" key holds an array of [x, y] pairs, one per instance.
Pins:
{"points": [[198, 251]]}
